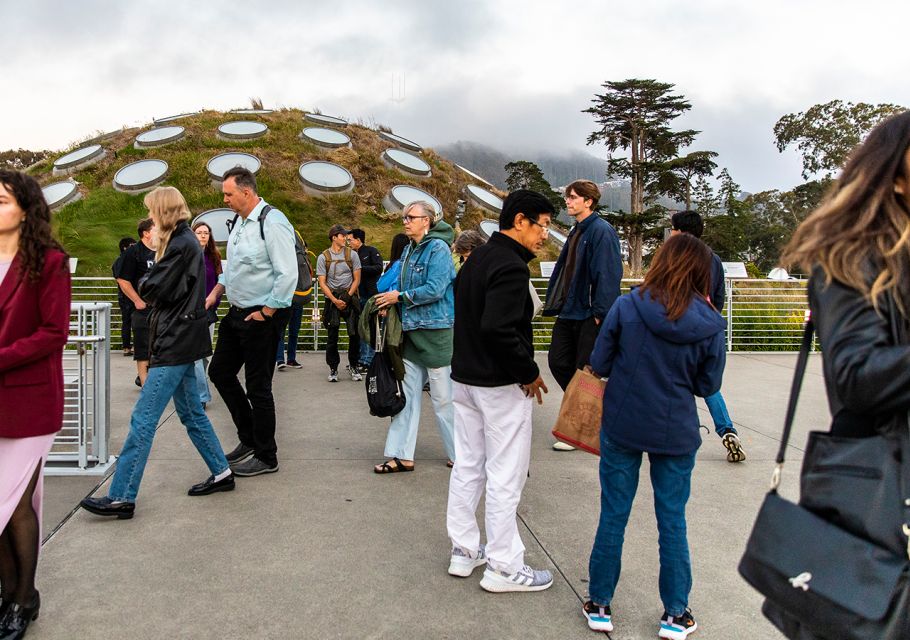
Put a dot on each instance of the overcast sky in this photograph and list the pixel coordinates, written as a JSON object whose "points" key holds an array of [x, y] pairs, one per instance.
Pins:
{"points": [[514, 74]]}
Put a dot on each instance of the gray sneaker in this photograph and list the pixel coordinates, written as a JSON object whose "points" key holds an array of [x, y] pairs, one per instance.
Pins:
{"points": [[462, 563], [253, 467], [333, 375], [525, 579], [355, 374]]}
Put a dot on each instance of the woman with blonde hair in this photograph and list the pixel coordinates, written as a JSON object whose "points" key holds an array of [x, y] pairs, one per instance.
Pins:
{"points": [[178, 336]]}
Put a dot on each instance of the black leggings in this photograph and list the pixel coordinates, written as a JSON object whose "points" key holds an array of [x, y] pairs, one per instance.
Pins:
{"points": [[19, 545]]}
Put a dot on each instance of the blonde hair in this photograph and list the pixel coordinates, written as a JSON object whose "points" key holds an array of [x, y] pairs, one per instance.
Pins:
{"points": [[860, 234], [168, 208]]}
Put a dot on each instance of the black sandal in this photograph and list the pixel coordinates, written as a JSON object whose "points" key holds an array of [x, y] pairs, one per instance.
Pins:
{"points": [[385, 467]]}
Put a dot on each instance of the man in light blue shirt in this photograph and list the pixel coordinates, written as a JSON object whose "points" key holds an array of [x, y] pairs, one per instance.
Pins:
{"points": [[259, 278]]}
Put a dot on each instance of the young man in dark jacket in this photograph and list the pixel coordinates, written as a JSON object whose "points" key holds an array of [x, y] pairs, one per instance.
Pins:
{"points": [[495, 381], [583, 286], [370, 270], [690, 222]]}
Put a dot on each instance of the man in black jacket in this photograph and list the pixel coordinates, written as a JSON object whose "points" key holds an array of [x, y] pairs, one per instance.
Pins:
{"points": [[370, 270], [495, 381], [690, 222]]}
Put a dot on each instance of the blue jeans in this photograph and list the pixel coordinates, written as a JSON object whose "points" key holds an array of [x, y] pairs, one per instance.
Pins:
{"points": [[402, 438], [202, 381], [163, 383], [293, 332], [718, 410], [670, 479], [366, 352]]}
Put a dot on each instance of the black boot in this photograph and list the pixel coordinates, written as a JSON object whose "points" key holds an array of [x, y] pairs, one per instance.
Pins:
{"points": [[15, 621]]}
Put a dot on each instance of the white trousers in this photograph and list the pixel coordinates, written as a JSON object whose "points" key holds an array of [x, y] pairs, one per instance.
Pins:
{"points": [[493, 450]]}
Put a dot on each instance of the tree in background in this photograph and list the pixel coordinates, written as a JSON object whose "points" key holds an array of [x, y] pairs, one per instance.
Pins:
{"points": [[527, 175], [704, 200], [825, 134], [634, 115], [676, 179]]}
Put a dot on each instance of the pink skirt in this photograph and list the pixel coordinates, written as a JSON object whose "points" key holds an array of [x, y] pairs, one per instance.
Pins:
{"points": [[18, 459]]}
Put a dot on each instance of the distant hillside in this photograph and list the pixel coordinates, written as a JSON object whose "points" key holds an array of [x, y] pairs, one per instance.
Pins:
{"points": [[559, 168]]}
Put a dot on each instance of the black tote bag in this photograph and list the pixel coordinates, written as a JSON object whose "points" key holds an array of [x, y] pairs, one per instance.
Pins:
{"points": [[836, 565], [385, 394]]}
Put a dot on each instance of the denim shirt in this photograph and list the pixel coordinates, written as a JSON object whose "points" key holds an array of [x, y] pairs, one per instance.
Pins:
{"points": [[427, 286]]}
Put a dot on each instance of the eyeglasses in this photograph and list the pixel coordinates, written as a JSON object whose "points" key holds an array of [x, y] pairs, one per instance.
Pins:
{"points": [[407, 219], [544, 230]]}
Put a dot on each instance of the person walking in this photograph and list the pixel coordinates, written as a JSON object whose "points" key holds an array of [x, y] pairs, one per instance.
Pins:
{"points": [[495, 381], [259, 279], [34, 326], [660, 345], [583, 285], [426, 308], [338, 273], [178, 336]]}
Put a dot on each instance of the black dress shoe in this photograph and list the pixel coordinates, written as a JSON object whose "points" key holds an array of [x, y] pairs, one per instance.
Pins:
{"points": [[240, 453], [107, 507], [15, 621], [211, 486]]}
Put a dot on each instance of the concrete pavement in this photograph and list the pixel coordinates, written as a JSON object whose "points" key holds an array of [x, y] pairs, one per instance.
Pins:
{"points": [[327, 549]]}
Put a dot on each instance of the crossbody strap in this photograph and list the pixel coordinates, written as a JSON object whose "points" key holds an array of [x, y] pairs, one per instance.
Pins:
{"points": [[795, 388]]}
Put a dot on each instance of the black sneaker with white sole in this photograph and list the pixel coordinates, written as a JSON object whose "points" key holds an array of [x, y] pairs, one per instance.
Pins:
{"points": [[253, 467], [600, 618], [240, 453], [676, 627]]}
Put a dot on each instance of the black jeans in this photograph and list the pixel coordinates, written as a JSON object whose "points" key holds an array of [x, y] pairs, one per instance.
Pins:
{"points": [[252, 345], [332, 357], [126, 321], [570, 347]]}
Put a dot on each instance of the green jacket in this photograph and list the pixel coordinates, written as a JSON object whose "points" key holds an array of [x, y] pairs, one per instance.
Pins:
{"points": [[394, 337]]}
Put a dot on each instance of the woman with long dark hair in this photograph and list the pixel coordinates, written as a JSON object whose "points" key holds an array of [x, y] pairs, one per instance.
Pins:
{"points": [[661, 345], [34, 325], [212, 259], [178, 337], [389, 278]]}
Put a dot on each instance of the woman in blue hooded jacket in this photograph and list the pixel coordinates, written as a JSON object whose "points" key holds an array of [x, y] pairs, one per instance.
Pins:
{"points": [[661, 345]]}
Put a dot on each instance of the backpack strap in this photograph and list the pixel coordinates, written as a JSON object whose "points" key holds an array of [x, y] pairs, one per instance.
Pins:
{"points": [[348, 259], [262, 215]]}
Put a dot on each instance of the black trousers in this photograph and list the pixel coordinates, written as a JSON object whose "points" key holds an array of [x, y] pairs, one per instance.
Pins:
{"points": [[570, 347], [252, 345], [126, 322], [332, 357]]}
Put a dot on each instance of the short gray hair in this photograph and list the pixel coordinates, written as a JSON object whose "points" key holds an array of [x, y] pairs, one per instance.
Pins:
{"points": [[426, 207]]}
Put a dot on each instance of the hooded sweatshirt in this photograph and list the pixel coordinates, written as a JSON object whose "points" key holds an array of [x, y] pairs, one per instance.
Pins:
{"points": [[656, 367]]}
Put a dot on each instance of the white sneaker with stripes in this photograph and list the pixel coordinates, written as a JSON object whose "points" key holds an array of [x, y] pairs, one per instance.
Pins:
{"points": [[525, 579], [462, 564]]}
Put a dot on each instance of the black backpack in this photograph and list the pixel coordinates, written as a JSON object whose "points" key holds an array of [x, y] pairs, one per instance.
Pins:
{"points": [[385, 394], [303, 292]]}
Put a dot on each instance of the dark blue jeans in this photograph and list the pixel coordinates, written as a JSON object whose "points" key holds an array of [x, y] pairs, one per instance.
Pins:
{"points": [[670, 479], [293, 332]]}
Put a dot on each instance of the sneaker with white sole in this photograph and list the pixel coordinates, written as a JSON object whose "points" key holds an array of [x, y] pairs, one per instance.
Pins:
{"points": [[600, 618], [559, 445], [280, 365], [525, 579], [677, 627], [735, 451], [355, 374], [462, 564], [333, 375]]}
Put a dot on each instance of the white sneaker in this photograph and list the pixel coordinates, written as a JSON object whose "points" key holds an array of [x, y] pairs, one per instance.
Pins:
{"points": [[355, 374], [525, 579], [559, 445], [461, 563], [333, 375]]}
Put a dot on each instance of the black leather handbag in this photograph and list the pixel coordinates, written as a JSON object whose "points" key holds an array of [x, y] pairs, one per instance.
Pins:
{"points": [[836, 566]]}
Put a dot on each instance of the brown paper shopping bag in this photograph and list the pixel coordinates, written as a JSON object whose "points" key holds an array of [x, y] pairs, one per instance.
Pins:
{"points": [[578, 423]]}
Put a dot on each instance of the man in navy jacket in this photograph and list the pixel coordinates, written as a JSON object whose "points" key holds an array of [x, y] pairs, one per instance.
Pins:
{"points": [[583, 286], [690, 222]]}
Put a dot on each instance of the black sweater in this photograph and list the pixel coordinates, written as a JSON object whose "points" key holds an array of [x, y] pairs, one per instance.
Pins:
{"points": [[370, 270], [493, 338]]}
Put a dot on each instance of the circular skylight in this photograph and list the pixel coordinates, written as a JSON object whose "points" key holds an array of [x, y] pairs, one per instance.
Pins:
{"points": [[326, 137], [252, 112], [407, 162], [242, 130], [176, 117], [474, 175], [325, 177], [401, 142], [324, 119], [79, 158], [138, 176], [160, 136], [60, 193], [484, 199], [402, 195], [221, 163], [488, 227], [217, 220]]}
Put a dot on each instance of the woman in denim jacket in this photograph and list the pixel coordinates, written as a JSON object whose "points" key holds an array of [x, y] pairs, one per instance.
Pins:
{"points": [[427, 309]]}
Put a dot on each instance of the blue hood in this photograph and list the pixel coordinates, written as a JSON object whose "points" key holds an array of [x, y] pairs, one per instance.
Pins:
{"points": [[700, 320]]}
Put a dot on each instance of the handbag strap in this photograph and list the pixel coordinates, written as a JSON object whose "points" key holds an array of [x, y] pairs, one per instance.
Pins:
{"points": [[795, 388]]}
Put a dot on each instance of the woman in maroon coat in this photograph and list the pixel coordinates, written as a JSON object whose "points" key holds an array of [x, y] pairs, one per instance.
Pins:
{"points": [[34, 324]]}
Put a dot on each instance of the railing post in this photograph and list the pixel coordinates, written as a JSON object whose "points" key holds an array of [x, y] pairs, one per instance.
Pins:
{"points": [[729, 294]]}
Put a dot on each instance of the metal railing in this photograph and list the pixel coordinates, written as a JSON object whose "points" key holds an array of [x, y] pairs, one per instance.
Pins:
{"points": [[762, 315], [82, 445]]}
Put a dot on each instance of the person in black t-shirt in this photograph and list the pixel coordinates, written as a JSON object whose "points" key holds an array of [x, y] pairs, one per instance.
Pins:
{"points": [[370, 270], [125, 304], [137, 261]]}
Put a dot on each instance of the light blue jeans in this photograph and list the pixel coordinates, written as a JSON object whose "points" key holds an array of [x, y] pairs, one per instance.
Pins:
{"points": [[402, 439], [718, 410], [163, 383], [202, 381]]}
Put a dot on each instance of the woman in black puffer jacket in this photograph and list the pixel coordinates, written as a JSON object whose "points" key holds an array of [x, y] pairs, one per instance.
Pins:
{"points": [[175, 290]]}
